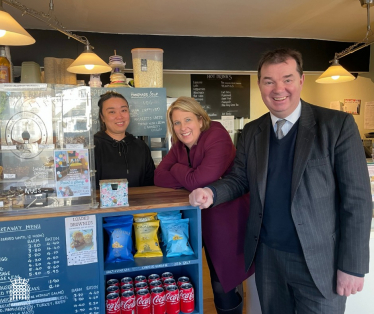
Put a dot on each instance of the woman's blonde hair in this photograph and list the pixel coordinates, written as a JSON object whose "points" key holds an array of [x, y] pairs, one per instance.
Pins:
{"points": [[186, 104]]}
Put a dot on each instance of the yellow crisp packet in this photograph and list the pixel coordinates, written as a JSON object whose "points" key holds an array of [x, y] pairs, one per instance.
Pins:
{"points": [[145, 217], [146, 240]]}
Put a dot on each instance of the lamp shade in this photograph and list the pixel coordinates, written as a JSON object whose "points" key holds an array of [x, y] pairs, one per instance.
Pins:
{"points": [[89, 63], [12, 33], [335, 74]]}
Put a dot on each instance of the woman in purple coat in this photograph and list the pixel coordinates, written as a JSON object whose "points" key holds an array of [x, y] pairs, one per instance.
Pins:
{"points": [[203, 152]]}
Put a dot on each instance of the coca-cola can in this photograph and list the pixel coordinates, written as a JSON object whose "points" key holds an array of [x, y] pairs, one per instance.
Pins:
{"points": [[127, 287], [141, 285], [153, 277], [172, 300], [170, 282], [112, 289], [183, 280], [126, 281], [166, 275], [154, 284], [140, 278], [158, 301], [112, 304], [113, 282], [128, 302], [187, 297], [143, 302]]}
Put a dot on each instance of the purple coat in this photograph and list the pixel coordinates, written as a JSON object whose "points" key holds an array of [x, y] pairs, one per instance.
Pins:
{"points": [[223, 227]]}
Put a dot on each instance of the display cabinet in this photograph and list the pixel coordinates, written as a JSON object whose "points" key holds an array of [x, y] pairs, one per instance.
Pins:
{"points": [[55, 275], [46, 154]]}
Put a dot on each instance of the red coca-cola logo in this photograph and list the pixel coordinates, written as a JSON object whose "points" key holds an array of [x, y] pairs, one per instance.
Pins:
{"points": [[112, 306], [189, 296], [143, 302], [158, 300], [128, 304], [171, 297]]}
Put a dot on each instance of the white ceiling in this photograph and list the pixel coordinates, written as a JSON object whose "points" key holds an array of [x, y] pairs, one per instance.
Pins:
{"points": [[337, 20]]}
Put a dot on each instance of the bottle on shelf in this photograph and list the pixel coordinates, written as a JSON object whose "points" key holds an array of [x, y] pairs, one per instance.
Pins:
{"points": [[4, 66]]}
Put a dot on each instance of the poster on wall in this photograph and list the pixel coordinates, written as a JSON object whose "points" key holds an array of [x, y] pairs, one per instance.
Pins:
{"points": [[72, 173], [352, 106]]}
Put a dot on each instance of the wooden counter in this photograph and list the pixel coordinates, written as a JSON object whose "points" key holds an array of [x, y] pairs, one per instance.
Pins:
{"points": [[139, 198]]}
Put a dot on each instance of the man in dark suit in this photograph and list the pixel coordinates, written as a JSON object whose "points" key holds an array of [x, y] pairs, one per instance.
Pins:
{"points": [[309, 224]]}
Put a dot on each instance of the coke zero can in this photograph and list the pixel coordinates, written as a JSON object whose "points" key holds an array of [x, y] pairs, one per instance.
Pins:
{"points": [[113, 282], [153, 277], [166, 275], [182, 280], [126, 280], [187, 297], [128, 302], [140, 278], [170, 282], [158, 301], [154, 284], [140, 285], [112, 304], [143, 302], [172, 300], [127, 287], [112, 289]]}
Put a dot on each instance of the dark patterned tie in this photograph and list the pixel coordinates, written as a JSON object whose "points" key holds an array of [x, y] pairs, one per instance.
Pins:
{"points": [[280, 123]]}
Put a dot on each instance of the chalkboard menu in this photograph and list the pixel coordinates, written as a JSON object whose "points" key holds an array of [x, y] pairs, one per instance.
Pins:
{"points": [[222, 95], [147, 110], [34, 275]]}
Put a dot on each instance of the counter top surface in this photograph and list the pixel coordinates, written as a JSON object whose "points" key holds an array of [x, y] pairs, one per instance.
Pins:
{"points": [[147, 197]]}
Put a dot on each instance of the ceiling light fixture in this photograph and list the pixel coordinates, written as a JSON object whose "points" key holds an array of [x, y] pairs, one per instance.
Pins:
{"points": [[336, 73], [12, 33], [95, 66]]}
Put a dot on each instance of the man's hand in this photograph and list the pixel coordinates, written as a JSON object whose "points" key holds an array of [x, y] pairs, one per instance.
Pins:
{"points": [[201, 197], [348, 284]]}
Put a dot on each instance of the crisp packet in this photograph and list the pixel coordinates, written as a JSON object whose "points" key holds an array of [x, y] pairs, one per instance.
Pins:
{"points": [[119, 219], [120, 242], [177, 237], [169, 215], [145, 217], [146, 241]]}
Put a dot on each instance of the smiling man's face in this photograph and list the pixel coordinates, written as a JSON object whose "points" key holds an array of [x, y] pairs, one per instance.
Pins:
{"points": [[280, 85]]}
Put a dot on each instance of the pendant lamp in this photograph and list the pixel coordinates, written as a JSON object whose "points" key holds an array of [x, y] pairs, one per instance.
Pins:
{"points": [[12, 33], [335, 74], [89, 63]]}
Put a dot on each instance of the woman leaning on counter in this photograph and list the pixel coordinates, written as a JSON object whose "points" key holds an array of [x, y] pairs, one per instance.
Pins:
{"points": [[118, 154], [202, 152]]}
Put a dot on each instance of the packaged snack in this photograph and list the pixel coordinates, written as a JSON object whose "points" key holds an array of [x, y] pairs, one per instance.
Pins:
{"points": [[120, 242], [177, 236], [169, 215], [146, 241], [119, 219], [145, 217]]}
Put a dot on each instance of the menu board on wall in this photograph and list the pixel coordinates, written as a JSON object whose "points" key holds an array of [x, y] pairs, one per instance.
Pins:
{"points": [[147, 110], [222, 95], [34, 275]]}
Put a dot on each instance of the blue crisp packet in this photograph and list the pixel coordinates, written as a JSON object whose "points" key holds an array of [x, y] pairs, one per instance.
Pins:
{"points": [[177, 237], [169, 215], [119, 219], [120, 242]]}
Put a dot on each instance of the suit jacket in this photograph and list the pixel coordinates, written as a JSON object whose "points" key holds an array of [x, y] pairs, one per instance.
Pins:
{"points": [[330, 195], [222, 227]]}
